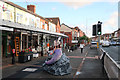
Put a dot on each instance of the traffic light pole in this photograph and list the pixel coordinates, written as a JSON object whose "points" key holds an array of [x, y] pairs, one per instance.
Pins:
{"points": [[99, 42]]}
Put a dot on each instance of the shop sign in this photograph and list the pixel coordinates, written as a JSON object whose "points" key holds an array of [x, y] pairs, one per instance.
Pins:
{"points": [[74, 41]]}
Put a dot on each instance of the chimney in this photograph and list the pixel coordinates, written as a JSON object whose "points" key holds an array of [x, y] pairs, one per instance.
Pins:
{"points": [[31, 8]]}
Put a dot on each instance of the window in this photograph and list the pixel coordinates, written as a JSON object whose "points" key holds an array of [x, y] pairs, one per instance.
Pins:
{"points": [[19, 18], [45, 26], [8, 14], [41, 24]]}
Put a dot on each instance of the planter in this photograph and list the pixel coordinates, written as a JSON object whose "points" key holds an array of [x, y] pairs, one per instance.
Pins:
{"points": [[24, 57]]}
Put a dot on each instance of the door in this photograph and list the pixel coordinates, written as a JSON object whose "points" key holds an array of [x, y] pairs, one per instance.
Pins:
{"points": [[17, 45]]}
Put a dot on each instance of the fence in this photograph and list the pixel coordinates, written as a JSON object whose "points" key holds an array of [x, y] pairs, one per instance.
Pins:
{"points": [[112, 67]]}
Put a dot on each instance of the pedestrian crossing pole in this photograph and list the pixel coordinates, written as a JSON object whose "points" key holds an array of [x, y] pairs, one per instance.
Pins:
{"points": [[99, 41], [98, 33]]}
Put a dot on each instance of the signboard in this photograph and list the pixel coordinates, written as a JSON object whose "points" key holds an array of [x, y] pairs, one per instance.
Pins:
{"points": [[7, 12], [74, 41]]}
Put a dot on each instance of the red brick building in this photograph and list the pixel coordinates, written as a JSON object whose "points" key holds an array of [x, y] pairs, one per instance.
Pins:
{"points": [[107, 36], [56, 21], [67, 31], [72, 33]]}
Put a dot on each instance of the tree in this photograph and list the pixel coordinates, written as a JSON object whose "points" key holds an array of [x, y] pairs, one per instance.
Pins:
{"points": [[83, 38]]}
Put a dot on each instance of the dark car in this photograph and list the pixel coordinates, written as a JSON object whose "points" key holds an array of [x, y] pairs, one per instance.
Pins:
{"points": [[118, 42]]}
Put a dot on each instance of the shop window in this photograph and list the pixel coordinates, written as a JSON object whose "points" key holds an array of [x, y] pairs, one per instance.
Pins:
{"points": [[24, 41], [29, 41], [34, 40]]}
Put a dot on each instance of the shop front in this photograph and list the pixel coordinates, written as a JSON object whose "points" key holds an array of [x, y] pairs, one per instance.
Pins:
{"points": [[7, 43]]}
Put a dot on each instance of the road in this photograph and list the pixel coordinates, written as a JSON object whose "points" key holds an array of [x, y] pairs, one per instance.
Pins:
{"points": [[113, 51], [84, 65]]}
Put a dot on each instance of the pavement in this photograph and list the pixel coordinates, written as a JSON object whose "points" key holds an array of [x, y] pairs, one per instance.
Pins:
{"points": [[86, 65]]}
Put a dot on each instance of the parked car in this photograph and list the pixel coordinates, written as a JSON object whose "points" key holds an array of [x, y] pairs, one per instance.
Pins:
{"points": [[113, 43], [105, 44], [93, 45], [101, 41], [118, 43]]}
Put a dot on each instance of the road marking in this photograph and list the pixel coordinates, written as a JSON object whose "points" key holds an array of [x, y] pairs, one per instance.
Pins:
{"points": [[77, 73], [80, 67], [83, 59], [30, 69], [96, 57]]}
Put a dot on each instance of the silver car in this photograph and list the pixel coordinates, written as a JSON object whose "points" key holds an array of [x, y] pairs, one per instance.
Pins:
{"points": [[93, 45], [105, 44]]}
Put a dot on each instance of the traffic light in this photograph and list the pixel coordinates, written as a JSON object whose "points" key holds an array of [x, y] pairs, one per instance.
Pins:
{"points": [[99, 29], [94, 30]]}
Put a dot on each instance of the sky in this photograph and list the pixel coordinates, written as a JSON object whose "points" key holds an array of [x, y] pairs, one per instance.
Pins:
{"points": [[81, 13]]}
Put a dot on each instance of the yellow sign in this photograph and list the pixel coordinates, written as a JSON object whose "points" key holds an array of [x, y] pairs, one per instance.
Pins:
{"points": [[97, 45]]}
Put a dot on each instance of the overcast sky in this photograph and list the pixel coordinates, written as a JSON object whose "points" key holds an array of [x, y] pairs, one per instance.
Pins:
{"points": [[81, 13]]}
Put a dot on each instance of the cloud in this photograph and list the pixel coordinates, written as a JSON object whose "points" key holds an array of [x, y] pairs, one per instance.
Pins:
{"points": [[75, 4], [54, 9], [112, 22], [64, 0]]}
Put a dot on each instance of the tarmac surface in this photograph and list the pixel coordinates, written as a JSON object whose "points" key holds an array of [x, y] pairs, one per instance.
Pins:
{"points": [[84, 65]]}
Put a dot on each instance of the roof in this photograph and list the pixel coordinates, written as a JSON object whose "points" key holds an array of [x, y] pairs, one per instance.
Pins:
{"points": [[55, 20], [76, 27], [107, 33], [67, 26]]}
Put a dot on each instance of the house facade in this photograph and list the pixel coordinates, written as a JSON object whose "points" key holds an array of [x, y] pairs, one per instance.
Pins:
{"points": [[23, 27]]}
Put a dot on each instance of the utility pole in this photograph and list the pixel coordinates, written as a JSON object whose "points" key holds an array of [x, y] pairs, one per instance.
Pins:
{"points": [[86, 26]]}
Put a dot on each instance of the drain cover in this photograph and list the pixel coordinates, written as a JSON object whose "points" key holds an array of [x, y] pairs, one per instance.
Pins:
{"points": [[30, 69]]}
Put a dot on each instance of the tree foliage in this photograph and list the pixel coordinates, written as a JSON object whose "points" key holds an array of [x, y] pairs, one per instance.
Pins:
{"points": [[83, 38]]}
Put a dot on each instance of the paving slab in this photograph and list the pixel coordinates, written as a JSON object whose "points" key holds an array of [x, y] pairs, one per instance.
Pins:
{"points": [[84, 65]]}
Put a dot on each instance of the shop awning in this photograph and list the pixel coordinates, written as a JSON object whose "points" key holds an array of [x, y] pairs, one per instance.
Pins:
{"points": [[10, 24]]}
